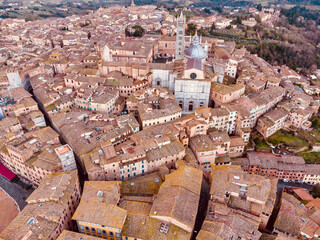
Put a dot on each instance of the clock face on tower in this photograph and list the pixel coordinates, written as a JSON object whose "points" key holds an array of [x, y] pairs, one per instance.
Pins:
{"points": [[193, 75]]}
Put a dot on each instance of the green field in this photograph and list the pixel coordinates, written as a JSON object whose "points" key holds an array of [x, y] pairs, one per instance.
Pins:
{"points": [[288, 139], [310, 157], [259, 142]]}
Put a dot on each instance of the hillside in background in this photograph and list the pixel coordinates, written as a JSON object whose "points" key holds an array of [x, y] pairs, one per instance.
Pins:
{"points": [[204, 3]]}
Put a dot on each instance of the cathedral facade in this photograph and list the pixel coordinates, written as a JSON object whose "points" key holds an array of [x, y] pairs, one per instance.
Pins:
{"points": [[192, 89], [185, 76]]}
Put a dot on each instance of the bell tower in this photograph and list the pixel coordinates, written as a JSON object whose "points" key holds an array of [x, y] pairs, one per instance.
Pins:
{"points": [[180, 38]]}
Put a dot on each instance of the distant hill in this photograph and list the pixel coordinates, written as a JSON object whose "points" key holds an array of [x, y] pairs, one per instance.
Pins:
{"points": [[197, 3]]}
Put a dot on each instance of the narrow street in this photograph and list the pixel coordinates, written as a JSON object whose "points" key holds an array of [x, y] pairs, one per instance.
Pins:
{"points": [[277, 204], [203, 205], [282, 184], [18, 193], [82, 173]]}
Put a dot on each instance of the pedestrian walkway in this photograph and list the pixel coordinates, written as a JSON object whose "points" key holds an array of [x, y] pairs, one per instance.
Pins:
{"points": [[15, 191]]}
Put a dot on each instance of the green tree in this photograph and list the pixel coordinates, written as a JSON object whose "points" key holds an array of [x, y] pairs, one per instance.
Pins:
{"points": [[316, 123], [257, 18], [191, 29], [259, 7], [207, 10], [138, 31], [127, 32], [218, 9], [239, 21], [213, 27], [315, 191]]}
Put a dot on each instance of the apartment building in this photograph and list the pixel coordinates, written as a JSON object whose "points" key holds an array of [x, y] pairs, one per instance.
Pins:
{"points": [[100, 99], [217, 118], [224, 222], [22, 103], [67, 235], [298, 117], [135, 209], [49, 210], [154, 105], [221, 140], [125, 85], [130, 51], [272, 122], [196, 127], [204, 150], [66, 157], [99, 198], [32, 155], [168, 111], [221, 94], [133, 158], [237, 146], [296, 220], [291, 168], [252, 194]]}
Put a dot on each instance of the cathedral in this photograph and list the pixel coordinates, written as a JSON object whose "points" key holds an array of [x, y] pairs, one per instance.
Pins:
{"points": [[192, 89], [186, 78]]}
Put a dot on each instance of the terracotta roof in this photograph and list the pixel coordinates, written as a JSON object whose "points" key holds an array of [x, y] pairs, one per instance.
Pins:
{"points": [[179, 200], [226, 89], [314, 203], [303, 194], [230, 178]]}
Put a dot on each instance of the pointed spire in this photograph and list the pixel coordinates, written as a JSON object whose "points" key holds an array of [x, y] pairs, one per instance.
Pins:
{"points": [[181, 14], [132, 3], [195, 39], [206, 48]]}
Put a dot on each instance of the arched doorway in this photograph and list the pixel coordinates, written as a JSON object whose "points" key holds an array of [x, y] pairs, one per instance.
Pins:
{"points": [[212, 104], [158, 81]]}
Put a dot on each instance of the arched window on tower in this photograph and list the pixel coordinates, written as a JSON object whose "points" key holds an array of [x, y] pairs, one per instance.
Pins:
{"points": [[181, 104], [201, 104], [190, 106]]}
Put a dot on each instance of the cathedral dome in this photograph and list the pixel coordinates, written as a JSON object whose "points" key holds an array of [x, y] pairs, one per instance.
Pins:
{"points": [[195, 50]]}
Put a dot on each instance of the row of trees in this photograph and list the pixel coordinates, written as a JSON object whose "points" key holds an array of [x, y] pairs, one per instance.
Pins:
{"points": [[294, 15], [282, 53]]}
